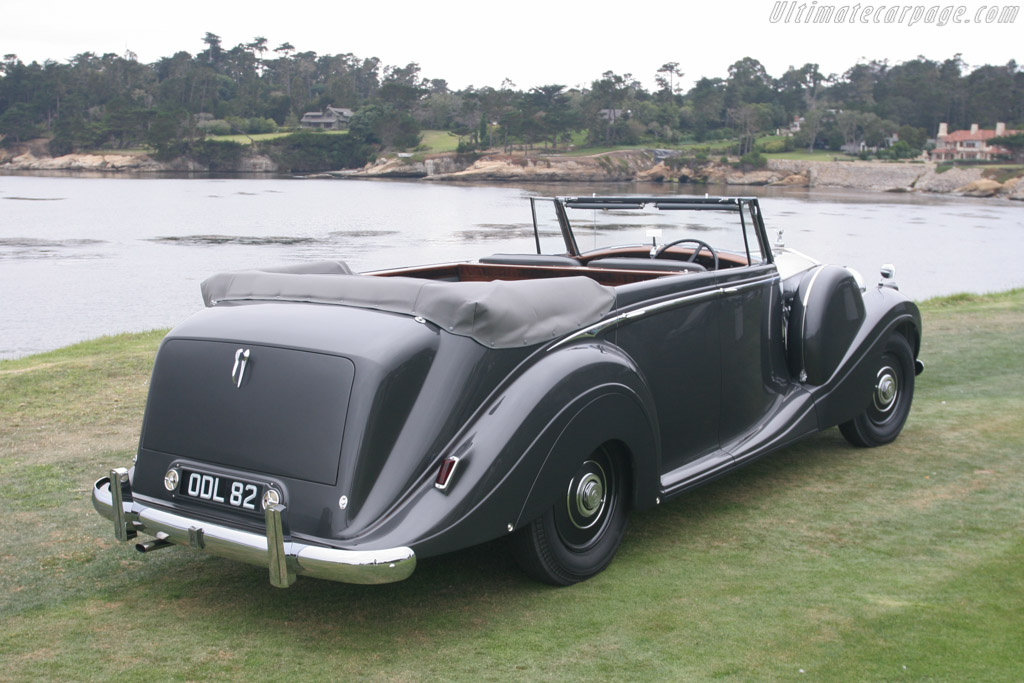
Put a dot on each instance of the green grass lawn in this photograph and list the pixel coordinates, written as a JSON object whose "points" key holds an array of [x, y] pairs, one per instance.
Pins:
{"points": [[260, 137], [438, 141], [1003, 172], [714, 149], [816, 155], [441, 141], [125, 151], [821, 562], [434, 141]]}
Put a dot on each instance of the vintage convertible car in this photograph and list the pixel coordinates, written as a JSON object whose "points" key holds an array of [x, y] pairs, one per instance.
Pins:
{"points": [[338, 425]]}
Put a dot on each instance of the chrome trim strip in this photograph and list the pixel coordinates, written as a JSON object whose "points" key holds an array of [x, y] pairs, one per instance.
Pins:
{"points": [[600, 326], [333, 564]]}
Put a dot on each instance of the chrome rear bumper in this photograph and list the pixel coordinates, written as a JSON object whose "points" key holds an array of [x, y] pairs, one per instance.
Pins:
{"points": [[284, 559]]}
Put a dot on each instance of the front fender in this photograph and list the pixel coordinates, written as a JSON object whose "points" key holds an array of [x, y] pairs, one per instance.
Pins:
{"points": [[515, 453], [848, 391]]}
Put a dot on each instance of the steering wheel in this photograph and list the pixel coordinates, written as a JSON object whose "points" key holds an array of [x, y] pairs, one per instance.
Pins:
{"points": [[701, 244]]}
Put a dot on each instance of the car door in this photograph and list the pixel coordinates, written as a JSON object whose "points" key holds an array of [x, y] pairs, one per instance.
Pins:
{"points": [[674, 341], [754, 377], [749, 334]]}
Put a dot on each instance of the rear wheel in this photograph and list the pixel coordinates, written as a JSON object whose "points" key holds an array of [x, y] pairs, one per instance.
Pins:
{"points": [[578, 536], [893, 392]]}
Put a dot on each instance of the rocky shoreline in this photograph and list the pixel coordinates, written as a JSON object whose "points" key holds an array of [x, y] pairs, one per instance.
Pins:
{"points": [[33, 156], [643, 165], [624, 166]]}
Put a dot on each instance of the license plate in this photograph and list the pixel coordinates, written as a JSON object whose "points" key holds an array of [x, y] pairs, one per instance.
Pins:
{"points": [[221, 490]]}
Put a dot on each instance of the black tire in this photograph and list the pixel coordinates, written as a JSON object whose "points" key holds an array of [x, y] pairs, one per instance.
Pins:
{"points": [[891, 397], [578, 536]]}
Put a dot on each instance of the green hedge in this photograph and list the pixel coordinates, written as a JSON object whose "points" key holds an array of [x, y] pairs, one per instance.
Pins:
{"points": [[217, 155], [307, 151]]}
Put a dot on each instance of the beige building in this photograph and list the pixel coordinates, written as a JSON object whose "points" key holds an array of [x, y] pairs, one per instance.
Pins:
{"points": [[973, 144]]}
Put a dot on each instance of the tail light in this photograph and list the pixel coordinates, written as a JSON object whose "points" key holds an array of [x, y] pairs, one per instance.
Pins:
{"points": [[446, 472]]}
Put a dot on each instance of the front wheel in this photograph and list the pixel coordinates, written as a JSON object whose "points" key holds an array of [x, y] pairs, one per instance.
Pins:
{"points": [[893, 392], [578, 536]]}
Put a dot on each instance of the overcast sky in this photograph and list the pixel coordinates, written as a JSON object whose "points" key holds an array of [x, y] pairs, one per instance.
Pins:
{"points": [[530, 42]]}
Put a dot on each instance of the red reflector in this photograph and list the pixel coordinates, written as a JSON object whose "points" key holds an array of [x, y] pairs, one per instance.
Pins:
{"points": [[444, 474]]}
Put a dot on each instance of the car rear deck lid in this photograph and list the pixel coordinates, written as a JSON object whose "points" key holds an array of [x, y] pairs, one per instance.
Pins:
{"points": [[285, 415]]}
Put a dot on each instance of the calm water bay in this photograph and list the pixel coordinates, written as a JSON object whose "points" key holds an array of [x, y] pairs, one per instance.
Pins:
{"points": [[83, 257]]}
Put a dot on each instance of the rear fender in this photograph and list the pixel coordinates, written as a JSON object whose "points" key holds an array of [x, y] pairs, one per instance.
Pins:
{"points": [[515, 455], [614, 416]]}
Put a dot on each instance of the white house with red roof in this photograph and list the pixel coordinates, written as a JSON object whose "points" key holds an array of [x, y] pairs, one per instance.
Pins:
{"points": [[969, 144]]}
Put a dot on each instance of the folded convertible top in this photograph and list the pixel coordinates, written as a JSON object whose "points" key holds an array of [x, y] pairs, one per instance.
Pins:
{"points": [[498, 314]]}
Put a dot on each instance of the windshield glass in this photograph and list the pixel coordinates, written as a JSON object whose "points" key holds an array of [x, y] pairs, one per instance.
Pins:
{"points": [[596, 228]]}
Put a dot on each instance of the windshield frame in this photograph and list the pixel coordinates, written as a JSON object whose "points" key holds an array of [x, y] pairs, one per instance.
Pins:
{"points": [[747, 208]]}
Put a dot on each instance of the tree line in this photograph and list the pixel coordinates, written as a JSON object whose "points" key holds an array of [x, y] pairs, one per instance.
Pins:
{"points": [[113, 101]]}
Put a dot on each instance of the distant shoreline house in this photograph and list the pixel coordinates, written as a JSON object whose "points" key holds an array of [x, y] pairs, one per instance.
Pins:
{"points": [[332, 118], [860, 146], [969, 145]]}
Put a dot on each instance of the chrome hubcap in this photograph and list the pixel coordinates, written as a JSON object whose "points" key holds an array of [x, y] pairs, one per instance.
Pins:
{"points": [[586, 499], [589, 495], [886, 390], [591, 503]]}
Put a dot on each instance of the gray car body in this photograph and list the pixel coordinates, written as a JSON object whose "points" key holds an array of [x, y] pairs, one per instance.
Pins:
{"points": [[348, 408]]}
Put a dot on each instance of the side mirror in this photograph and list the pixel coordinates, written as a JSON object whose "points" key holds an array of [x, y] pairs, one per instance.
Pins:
{"points": [[888, 272]]}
